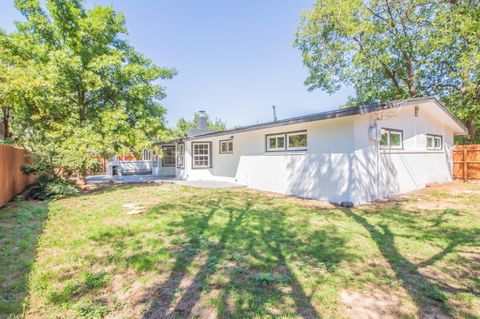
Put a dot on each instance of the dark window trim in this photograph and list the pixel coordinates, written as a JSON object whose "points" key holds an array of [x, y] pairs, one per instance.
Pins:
{"points": [[433, 148], [210, 157], [389, 147], [183, 155], [285, 148], [220, 146], [163, 157]]}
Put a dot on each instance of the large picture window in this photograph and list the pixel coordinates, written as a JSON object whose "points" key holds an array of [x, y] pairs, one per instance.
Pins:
{"points": [[201, 157], [226, 147], [391, 138], [293, 141], [181, 155], [168, 158], [434, 142]]}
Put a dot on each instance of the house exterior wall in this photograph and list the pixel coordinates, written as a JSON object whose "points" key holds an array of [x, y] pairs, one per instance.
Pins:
{"points": [[162, 171], [340, 164], [413, 167]]}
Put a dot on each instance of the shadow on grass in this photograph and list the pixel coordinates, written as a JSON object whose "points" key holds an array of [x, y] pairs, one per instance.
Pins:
{"points": [[245, 262], [425, 291], [21, 225]]}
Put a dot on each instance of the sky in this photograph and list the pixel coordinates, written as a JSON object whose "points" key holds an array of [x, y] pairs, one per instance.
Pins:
{"points": [[234, 59]]}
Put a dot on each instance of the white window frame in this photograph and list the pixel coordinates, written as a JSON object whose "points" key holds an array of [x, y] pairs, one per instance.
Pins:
{"points": [[389, 131], [276, 149], [180, 155], [209, 154], [301, 148], [435, 137], [227, 143]]}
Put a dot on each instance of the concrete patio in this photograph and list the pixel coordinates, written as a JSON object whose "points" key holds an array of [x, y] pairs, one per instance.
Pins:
{"points": [[151, 179]]}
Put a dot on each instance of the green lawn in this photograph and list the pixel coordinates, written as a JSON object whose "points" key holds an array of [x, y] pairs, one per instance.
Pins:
{"points": [[240, 254]]}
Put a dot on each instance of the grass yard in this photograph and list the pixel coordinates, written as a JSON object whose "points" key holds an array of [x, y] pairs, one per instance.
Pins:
{"points": [[241, 253]]}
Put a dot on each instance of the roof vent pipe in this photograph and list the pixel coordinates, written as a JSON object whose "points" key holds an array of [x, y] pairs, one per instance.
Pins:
{"points": [[274, 113], [202, 123]]}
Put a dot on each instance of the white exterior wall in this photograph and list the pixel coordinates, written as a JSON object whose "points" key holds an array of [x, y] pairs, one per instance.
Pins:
{"points": [[407, 169], [341, 164]]}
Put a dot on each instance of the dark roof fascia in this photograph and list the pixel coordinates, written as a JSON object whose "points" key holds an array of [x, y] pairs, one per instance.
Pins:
{"points": [[295, 120], [355, 110], [171, 142]]}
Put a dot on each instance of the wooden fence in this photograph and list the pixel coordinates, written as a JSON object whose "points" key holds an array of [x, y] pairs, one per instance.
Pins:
{"points": [[12, 180], [466, 162]]}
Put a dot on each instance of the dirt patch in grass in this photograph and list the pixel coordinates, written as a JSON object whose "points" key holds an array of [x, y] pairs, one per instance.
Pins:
{"points": [[376, 304]]}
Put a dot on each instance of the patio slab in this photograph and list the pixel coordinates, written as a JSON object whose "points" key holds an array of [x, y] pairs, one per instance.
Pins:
{"points": [[149, 179], [209, 184]]}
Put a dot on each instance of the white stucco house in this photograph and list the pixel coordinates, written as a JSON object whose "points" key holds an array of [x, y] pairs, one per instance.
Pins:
{"points": [[356, 154]]}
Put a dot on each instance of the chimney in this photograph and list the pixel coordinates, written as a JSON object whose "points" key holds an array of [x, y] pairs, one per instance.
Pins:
{"points": [[202, 121], [202, 125], [274, 113]]}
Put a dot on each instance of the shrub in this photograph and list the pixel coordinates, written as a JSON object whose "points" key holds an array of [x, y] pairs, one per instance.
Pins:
{"points": [[50, 183]]}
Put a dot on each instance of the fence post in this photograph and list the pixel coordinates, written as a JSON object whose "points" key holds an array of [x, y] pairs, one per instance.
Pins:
{"points": [[465, 169]]}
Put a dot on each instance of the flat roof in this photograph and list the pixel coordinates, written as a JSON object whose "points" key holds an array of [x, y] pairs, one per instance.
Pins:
{"points": [[350, 111]]}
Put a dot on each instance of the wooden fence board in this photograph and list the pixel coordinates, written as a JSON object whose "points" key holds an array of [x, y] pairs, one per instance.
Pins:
{"points": [[466, 162], [12, 180]]}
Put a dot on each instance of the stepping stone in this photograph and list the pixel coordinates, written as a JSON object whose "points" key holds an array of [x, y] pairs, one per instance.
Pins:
{"points": [[132, 205], [135, 211]]}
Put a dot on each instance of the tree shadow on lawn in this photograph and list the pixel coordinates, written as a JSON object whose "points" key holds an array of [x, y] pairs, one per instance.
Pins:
{"points": [[21, 225], [427, 293], [249, 265]]}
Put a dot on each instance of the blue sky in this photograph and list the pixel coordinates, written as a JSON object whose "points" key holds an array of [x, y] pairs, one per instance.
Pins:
{"points": [[234, 58]]}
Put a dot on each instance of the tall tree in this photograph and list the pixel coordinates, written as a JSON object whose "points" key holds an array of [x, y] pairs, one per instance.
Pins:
{"points": [[20, 85], [456, 43], [102, 93], [393, 49]]}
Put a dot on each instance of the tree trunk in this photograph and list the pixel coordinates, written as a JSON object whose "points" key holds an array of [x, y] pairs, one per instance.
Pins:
{"points": [[83, 115], [472, 130], [81, 179], [6, 124]]}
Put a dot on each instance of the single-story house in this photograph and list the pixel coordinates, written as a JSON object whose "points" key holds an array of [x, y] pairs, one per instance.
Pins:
{"points": [[355, 154]]}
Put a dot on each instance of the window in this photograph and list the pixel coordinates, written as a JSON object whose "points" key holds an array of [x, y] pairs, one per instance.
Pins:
{"points": [[297, 141], [434, 142], [293, 141], [168, 158], [226, 147], [201, 154], [276, 142], [391, 138], [181, 155]]}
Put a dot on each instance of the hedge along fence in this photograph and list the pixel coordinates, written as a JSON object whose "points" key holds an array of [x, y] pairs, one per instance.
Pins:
{"points": [[12, 180]]}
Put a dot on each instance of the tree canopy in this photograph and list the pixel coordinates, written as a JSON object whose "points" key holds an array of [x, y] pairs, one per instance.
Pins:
{"points": [[396, 49], [84, 91], [183, 126]]}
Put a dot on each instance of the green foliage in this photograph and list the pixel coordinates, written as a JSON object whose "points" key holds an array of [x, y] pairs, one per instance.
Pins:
{"points": [[264, 279], [50, 183], [183, 126], [71, 82], [51, 187], [392, 50]]}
